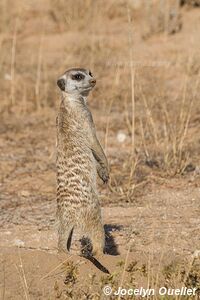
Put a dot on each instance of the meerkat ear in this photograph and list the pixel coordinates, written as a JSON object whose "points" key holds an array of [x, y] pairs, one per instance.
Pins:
{"points": [[61, 84]]}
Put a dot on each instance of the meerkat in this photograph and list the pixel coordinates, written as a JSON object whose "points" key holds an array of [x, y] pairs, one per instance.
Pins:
{"points": [[80, 158]]}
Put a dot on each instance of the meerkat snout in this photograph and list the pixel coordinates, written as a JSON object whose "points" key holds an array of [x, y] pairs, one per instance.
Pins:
{"points": [[93, 81]]}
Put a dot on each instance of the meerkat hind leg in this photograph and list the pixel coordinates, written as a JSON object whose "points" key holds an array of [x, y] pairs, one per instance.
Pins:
{"points": [[93, 241], [98, 240]]}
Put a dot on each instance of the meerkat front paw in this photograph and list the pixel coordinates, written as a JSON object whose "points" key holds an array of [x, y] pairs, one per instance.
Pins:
{"points": [[103, 174]]}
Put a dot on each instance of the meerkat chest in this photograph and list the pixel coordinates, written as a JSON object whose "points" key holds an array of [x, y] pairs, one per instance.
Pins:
{"points": [[74, 129]]}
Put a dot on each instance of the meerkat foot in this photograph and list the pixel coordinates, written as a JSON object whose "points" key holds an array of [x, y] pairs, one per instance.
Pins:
{"points": [[97, 249], [98, 242], [93, 243]]}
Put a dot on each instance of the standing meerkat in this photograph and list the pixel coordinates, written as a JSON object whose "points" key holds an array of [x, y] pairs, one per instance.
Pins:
{"points": [[79, 158]]}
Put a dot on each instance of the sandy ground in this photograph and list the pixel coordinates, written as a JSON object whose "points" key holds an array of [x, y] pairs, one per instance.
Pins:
{"points": [[161, 228]]}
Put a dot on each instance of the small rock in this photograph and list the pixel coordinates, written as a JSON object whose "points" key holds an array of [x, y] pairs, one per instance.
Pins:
{"points": [[197, 170], [121, 137], [25, 193], [196, 254], [7, 76], [19, 243]]}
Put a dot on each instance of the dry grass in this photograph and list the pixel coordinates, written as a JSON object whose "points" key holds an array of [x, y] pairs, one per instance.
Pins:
{"points": [[127, 274], [155, 131]]}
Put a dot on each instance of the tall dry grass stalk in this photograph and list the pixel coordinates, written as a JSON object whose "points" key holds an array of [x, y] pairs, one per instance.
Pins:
{"points": [[4, 14], [124, 269], [108, 118], [39, 70], [132, 71], [21, 272], [12, 67], [24, 99], [143, 139], [185, 118], [150, 118], [57, 267], [127, 119], [164, 10], [174, 132], [92, 35], [4, 281], [107, 125], [161, 259], [131, 186]]}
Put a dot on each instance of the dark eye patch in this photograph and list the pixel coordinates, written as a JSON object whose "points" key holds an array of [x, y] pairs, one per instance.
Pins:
{"points": [[90, 73], [77, 77]]}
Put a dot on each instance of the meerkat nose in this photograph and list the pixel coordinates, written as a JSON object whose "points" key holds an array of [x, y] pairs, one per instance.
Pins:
{"points": [[93, 81]]}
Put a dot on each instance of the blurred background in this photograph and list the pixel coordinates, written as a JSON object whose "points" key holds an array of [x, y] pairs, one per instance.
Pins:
{"points": [[145, 57]]}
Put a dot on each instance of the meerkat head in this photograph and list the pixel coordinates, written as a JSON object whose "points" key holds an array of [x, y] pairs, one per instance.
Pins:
{"points": [[76, 81]]}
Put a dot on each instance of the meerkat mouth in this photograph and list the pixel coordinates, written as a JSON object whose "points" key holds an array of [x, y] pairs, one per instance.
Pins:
{"points": [[85, 88], [88, 87]]}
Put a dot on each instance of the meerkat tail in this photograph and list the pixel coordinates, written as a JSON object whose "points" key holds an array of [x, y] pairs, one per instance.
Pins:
{"points": [[95, 262], [87, 253]]}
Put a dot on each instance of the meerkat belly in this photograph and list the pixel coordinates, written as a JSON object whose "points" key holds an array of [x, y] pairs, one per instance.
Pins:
{"points": [[76, 175]]}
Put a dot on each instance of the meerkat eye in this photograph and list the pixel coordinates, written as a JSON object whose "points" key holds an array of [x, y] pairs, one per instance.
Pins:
{"points": [[78, 77], [90, 73]]}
